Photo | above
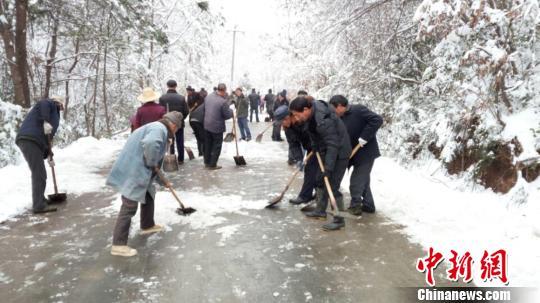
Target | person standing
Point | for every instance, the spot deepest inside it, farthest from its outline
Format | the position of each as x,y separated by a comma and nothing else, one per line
269,102
254,100
362,125
173,101
242,106
33,138
203,93
330,139
216,111
281,109
150,111
133,175
196,121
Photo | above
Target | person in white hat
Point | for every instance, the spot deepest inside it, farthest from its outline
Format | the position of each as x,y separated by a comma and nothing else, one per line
38,127
149,111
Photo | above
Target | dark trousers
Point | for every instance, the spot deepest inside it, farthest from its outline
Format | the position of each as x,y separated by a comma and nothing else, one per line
212,148
251,111
179,144
276,131
360,185
198,131
310,179
33,155
335,181
127,211
244,128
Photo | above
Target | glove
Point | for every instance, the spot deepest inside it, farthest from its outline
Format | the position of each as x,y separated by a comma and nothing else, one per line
47,128
361,142
51,162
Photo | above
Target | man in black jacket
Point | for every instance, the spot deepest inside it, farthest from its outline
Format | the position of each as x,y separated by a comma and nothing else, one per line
254,100
269,102
330,139
362,125
173,101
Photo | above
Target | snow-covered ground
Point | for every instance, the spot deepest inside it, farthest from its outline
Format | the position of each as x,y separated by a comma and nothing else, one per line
448,215
435,210
77,168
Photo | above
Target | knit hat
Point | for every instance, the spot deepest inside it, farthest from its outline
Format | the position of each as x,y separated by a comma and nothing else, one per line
59,99
175,118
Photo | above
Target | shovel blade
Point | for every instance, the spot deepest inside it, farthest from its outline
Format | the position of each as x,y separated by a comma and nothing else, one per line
274,201
190,153
259,138
57,198
169,163
239,160
186,211
228,137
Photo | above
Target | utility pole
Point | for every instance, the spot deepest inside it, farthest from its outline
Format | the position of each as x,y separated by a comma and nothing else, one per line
233,50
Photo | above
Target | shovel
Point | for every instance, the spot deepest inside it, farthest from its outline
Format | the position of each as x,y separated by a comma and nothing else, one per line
328,187
170,163
277,199
260,136
56,197
228,137
189,153
182,210
239,160
309,207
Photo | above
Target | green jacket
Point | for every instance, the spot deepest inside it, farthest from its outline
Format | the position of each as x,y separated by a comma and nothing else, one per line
242,106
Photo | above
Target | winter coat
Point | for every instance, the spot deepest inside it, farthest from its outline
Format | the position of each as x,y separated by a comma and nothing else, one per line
242,107
254,100
362,123
216,111
278,103
328,134
32,126
269,99
175,101
197,114
149,112
132,173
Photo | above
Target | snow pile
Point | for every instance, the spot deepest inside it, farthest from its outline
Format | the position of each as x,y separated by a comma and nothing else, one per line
11,117
77,172
438,213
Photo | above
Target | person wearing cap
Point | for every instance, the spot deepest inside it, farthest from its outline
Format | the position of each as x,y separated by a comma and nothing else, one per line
216,111
133,174
149,111
281,110
173,101
35,133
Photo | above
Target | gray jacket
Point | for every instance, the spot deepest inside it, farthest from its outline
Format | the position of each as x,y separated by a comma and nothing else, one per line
216,111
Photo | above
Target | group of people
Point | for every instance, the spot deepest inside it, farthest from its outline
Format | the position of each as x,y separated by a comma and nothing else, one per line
315,130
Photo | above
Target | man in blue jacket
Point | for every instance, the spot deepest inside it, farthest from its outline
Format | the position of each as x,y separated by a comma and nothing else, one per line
362,125
38,127
133,174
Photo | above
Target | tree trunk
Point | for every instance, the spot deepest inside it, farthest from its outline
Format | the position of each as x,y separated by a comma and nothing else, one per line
50,58
71,68
105,105
9,48
21,14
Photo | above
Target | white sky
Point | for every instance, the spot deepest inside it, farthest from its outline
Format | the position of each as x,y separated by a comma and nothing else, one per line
261,23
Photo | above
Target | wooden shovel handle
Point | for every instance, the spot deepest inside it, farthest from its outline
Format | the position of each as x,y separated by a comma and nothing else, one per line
52,167
355,150
328,187
164,180
234,133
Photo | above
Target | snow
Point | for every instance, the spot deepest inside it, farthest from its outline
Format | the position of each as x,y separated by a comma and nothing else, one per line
77,171
522,125
436,212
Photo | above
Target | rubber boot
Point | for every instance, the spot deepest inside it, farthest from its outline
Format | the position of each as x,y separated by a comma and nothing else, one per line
320,208
337,223
340,204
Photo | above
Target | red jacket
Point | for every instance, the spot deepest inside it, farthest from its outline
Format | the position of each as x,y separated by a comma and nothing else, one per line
147,113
